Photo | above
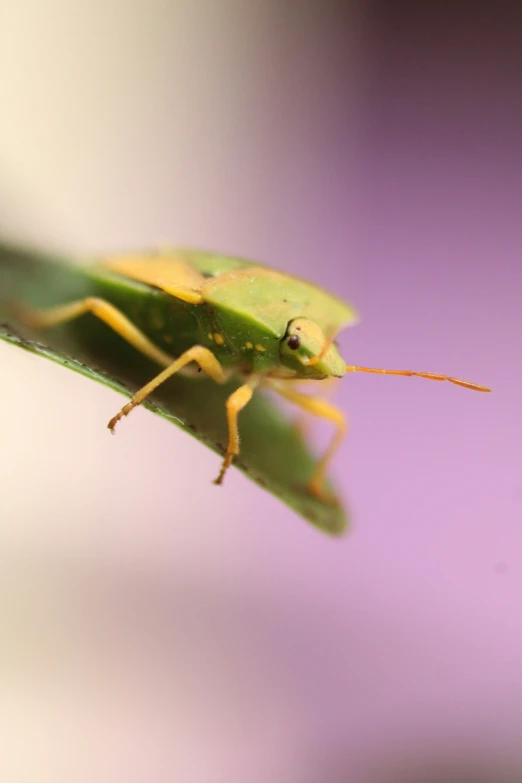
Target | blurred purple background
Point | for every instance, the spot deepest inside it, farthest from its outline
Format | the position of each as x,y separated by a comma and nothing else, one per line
158,628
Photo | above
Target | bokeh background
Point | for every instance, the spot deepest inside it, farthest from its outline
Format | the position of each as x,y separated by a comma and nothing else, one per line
154,627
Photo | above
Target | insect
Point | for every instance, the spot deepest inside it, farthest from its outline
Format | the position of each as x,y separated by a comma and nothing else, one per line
226,317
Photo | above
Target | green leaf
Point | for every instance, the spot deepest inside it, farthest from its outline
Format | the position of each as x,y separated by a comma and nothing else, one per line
273,452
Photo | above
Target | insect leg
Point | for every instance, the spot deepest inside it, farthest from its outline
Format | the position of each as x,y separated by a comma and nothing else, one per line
106,312
235,404
198,353
303,423
323,410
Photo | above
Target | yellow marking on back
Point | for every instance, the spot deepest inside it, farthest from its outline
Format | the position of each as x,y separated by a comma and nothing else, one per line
260,347
249,345
219,338
210,336
171,274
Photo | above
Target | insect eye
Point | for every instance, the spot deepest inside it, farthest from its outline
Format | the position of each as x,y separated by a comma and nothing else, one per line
293,342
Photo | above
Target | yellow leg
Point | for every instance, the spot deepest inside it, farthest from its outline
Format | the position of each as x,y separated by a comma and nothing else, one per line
235,404
106,312
44,319
326,388
198,353
323,410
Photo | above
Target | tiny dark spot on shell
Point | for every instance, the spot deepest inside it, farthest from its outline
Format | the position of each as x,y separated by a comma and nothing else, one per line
208,275
285,301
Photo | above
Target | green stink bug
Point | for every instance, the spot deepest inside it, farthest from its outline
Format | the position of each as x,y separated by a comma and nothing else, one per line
232,318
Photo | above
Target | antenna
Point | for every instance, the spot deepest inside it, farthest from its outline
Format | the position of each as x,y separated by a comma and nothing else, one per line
431,376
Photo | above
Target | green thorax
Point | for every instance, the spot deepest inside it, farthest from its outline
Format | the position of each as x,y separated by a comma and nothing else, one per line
272,299
253,305
246,312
